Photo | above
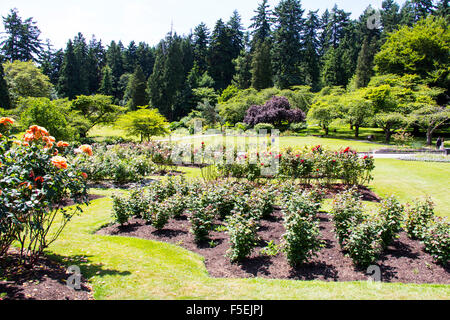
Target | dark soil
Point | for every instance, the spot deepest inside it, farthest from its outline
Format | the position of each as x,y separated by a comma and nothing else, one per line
69,202
405,261
46,280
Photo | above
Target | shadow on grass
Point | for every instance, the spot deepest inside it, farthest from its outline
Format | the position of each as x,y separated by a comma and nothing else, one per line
87,268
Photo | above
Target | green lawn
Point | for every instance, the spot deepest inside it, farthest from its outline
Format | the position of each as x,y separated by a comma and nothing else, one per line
410,180
129,268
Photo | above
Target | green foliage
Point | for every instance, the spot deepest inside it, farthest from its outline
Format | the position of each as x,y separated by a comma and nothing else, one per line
5,100
347,212
418,219
144,123
243,236
201,218
93,110
264,126
54,115
422,49
33,184
437,241
391,218
24,79
120,212
364,244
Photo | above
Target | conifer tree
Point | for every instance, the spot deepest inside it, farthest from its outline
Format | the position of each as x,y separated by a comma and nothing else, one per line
311,59
5,101
22,38
243,77
262,22
70,81
106,85
137,89
287,43
200,43
262,66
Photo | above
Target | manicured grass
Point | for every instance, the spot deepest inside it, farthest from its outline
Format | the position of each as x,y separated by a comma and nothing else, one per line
129,268
410,180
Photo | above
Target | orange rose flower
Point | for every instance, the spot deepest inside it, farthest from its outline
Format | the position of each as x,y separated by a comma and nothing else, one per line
86,149
62,144
85,176
59,162
5,120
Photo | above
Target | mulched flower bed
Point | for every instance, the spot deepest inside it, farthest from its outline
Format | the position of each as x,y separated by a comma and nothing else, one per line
46,280
405,261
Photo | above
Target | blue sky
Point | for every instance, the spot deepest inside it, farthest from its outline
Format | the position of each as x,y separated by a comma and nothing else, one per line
144,20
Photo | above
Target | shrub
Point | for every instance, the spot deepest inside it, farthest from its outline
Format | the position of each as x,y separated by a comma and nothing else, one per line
161,214
264,126
298,127
243,236
302,237
391,216
200,217
35,178
437,241
121,209
418,218
178,205
346,212
364,243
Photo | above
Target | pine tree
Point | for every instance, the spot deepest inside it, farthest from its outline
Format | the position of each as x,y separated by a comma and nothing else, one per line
114,59
324,36
311,60
220,56
22,38
95,63
51,62
130,58
106,85
422,8
5,101
261,25
165,85
390,15
80,50
137,89
145,58
287,43
364,68
235,30
201,42
70,80
443,9
243,77
262,66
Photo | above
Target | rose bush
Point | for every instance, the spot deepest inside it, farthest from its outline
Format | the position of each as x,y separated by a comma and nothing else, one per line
35,178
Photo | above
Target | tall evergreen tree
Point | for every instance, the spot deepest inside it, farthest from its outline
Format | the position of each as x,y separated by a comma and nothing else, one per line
364,68
114,59
70,83
243,77
311,59
51,62
422,8
262,22
94,63
236,33
443,9
262,66
220,56
287,43
106,85
145,58
390,15
5,101
80,49
324,36
200,43
137,89
165,85
22,38
130,58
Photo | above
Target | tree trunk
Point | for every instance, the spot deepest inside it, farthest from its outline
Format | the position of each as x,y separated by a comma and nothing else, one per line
429,137
327,130
388,135
356,131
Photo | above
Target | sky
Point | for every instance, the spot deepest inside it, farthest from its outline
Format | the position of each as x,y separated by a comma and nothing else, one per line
145,20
